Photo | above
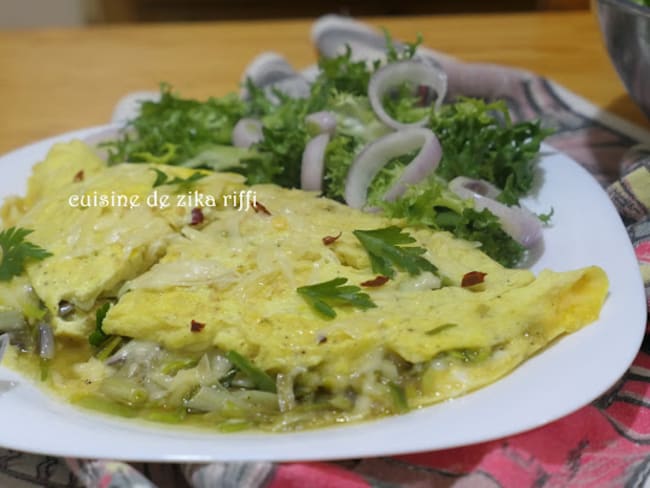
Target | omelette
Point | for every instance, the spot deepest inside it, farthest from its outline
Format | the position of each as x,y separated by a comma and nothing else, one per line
165,296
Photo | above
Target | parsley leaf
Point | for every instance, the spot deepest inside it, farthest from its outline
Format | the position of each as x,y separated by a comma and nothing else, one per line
16,250
386,250
323,296
99,336
163,179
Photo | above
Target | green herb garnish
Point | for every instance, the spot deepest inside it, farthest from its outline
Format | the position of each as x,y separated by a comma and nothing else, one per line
16,251
328,294
163,179
387,251
98,336
440,328
260,379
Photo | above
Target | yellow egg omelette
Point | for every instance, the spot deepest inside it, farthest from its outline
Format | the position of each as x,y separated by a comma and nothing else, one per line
185,296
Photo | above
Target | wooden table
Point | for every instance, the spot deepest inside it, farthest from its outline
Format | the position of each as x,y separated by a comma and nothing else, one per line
52,81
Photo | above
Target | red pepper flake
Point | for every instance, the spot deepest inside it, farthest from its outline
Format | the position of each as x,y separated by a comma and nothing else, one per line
79,176
327,240
378,281
196,326
258,207
197,216
472,278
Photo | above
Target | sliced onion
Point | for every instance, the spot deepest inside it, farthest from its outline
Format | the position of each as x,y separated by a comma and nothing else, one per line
481,187
4,342
313,162
393,75
271,72
521,224
325,121
128,107
379,152
247,132
45,341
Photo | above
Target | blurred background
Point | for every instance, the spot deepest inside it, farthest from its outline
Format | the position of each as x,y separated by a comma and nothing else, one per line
17,14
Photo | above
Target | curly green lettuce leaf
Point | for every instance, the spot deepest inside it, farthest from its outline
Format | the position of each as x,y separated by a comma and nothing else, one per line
480,140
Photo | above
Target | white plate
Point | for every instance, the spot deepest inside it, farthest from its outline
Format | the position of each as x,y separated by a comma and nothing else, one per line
586,230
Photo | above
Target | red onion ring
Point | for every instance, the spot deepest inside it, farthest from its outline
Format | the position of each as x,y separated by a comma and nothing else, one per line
394,74
325,121
379,152
521,224
247,132
313,163
481,187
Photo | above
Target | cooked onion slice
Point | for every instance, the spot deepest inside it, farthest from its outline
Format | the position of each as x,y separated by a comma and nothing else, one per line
379,152
324,121
313,162
45,341
247,132
4,342
393,75
521,224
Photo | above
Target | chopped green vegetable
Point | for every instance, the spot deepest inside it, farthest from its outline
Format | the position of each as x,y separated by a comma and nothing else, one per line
324,296
163,179
16,251
546,217
399,397
108,347
440,328
386,250
98,336
259,378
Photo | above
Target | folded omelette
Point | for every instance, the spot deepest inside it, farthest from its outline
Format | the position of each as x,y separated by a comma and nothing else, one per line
168,305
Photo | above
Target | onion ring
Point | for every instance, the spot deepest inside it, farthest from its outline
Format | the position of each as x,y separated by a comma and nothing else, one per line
379,152
313,163
392,75
520,223
247,132
324,121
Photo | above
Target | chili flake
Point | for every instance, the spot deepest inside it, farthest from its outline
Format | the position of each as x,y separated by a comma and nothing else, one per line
327,240
472,278
196,326
258,207
378,281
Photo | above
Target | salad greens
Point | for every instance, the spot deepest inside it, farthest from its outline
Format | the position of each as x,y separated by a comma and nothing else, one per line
478,140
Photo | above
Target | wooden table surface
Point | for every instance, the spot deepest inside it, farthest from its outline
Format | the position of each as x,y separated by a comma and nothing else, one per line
53,81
